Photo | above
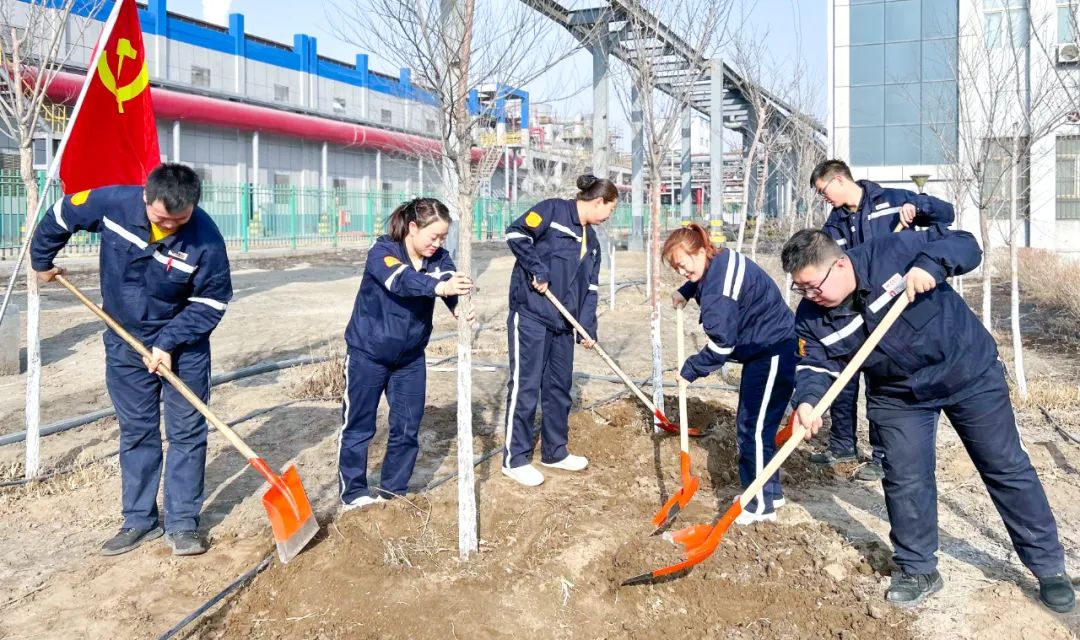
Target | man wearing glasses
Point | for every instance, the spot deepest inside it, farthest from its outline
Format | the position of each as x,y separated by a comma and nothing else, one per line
864,210
937,357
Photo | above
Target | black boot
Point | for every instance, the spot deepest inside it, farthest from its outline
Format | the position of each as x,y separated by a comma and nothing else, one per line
1056,592
128,539
910,589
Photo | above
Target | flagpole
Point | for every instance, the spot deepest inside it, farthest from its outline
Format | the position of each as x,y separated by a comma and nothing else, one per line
33,300
54,166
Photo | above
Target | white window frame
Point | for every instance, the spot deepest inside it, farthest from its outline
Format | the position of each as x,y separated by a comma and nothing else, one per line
1008,13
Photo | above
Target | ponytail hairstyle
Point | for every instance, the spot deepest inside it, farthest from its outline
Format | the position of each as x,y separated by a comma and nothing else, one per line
590,188
691,239
422,211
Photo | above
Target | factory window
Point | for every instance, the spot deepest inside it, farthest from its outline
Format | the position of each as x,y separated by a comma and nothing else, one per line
200,76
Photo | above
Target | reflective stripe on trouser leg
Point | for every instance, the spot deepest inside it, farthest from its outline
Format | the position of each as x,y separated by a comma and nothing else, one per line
405,392
366,381
555,397
528,342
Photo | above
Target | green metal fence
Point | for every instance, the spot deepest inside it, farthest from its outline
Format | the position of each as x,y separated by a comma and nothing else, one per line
258,216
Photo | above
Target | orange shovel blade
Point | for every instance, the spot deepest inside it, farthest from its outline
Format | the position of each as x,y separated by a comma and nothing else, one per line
699,541
668,426
290,514
677,502
784,434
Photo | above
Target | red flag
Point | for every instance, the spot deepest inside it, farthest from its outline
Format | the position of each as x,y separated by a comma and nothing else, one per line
112,137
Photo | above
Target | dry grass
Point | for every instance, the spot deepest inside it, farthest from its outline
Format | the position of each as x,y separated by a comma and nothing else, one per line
322,381
1049,392
1050,301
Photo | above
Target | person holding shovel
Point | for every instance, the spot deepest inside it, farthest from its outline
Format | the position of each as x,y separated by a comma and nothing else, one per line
745,320
386,337
557,251
165,278
936,358
864,210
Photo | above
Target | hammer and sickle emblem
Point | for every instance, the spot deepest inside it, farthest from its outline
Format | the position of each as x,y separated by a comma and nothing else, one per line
129,90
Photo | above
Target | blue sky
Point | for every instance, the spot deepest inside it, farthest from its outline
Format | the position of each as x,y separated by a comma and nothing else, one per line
792,29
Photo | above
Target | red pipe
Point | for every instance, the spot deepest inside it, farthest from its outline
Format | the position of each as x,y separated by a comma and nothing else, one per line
174,105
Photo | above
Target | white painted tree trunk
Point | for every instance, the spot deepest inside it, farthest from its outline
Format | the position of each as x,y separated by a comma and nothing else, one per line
984,230
32,420
457,16
654,301
1014,276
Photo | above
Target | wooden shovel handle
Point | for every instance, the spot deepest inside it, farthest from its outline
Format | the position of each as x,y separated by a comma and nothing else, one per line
603,354
680,342
165,372
826,401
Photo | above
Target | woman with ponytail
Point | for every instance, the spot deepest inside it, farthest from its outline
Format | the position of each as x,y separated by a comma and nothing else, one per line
745,320
557,251
389,329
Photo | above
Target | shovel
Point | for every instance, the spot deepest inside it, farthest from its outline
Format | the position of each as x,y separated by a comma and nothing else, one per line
662,420
690,483
285,501
699,541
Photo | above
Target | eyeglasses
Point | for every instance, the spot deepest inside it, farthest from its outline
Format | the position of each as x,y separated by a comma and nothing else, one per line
821,192
816,289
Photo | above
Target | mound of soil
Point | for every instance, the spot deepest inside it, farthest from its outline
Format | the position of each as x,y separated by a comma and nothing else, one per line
552,558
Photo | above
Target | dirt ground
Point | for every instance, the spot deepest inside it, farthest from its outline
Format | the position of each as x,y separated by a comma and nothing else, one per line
551,558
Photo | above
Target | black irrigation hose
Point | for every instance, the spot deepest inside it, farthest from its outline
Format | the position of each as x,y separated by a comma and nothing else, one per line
236,584
65,470
250,574
230,376
222,378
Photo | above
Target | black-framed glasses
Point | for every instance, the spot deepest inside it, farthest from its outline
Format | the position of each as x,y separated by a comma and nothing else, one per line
821,192
816,289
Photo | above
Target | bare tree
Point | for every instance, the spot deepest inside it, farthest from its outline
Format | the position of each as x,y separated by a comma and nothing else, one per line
1005,109
663,90
452,52
36,39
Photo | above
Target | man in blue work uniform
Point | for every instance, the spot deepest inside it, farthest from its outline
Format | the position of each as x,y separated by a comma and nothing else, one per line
165,278
937,357
862,211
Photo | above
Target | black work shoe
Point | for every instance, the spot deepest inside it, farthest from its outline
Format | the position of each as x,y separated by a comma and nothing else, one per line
910,589
1056,592
128,539
870,472
830,458
186,543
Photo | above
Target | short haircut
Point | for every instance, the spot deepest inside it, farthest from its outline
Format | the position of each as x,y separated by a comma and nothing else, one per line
809,247
827,170
176,185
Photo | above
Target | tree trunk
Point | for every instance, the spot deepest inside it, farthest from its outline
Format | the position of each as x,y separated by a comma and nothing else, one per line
33,319
1014,277
654,296
790,232
984,231
457,21
759,205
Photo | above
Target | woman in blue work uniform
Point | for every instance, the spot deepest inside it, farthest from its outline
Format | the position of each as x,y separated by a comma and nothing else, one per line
389,329
557,251
745,320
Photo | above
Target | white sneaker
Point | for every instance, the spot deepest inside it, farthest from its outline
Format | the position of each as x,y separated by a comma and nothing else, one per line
361,502
569,463
526,475
779,502
749,517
